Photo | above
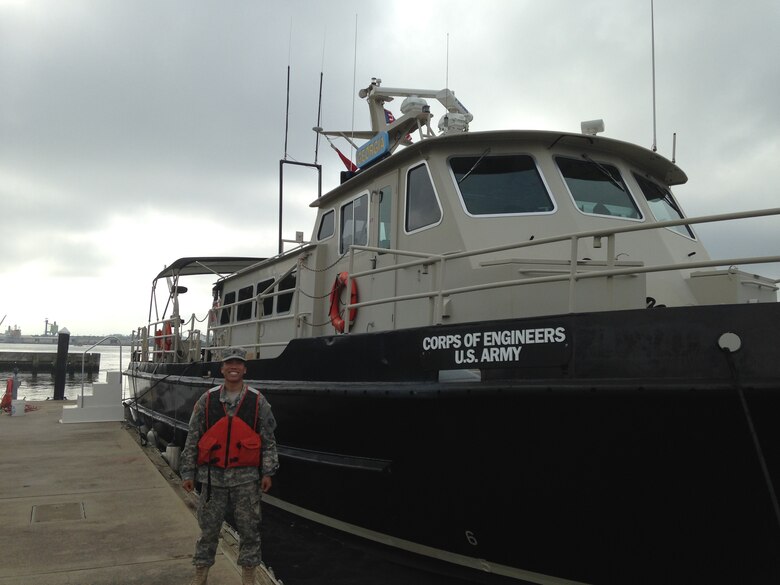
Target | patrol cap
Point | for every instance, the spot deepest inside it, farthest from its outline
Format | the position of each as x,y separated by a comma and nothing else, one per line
234,353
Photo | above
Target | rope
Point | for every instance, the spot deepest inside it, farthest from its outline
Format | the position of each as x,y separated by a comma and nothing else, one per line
753,434
339,259
317,324
304,293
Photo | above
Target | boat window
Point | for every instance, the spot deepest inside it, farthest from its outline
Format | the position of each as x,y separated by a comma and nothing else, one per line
422,206
244,310
284,301
598,188
354,223
327,225
500,185
385,208
268,302
662,204
224,317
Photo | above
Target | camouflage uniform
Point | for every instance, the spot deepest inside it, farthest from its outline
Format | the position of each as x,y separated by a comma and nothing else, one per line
237,488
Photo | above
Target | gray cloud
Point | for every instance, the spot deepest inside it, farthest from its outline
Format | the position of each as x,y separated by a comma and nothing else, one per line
156,117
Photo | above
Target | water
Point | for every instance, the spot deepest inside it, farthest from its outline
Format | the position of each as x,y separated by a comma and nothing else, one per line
41,387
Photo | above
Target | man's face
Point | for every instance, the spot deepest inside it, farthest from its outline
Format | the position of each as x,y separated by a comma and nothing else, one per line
233,370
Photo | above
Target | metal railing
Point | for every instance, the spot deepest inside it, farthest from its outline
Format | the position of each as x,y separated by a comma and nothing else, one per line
573,270
572,275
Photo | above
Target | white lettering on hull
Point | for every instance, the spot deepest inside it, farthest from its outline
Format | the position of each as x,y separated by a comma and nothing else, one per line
490,347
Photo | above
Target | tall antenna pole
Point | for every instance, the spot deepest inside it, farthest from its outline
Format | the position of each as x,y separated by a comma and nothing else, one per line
286,132
287,110
652,46
447,63
354,81
319,104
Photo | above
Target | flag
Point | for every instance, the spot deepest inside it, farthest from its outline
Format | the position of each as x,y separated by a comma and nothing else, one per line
347,163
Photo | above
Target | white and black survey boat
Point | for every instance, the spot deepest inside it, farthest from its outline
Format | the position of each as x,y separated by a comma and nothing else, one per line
505,352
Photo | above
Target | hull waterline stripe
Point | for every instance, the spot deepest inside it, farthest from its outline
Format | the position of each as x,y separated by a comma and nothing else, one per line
322,458
421,549
335,459
156,415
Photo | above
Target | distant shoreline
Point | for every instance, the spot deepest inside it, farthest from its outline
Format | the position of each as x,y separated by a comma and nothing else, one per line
74,339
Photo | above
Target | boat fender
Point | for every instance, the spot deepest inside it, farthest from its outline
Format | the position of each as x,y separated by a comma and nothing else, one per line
335,299
151,438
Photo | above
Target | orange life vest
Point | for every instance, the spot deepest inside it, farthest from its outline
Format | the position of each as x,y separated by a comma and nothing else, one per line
231,441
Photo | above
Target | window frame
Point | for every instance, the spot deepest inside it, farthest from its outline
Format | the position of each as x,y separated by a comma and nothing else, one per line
409,169
226,313
539,173
330,211
245,299
389,208
573,199
259,287
637,176
367,195
286,296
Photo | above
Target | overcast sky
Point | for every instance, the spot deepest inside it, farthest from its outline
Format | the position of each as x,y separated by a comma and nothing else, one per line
133,132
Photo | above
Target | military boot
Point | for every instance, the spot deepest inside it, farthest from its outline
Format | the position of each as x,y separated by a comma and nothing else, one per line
248,575
201,576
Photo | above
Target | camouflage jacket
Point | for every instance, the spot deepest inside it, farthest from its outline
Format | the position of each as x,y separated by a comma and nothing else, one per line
236,475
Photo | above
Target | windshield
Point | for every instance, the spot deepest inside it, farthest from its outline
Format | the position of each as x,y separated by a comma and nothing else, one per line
500,185
598,188
662,204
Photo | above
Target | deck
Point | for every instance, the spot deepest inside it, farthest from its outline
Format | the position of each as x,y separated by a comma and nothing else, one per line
84,503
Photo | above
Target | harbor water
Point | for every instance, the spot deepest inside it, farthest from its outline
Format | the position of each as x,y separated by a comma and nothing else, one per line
41,386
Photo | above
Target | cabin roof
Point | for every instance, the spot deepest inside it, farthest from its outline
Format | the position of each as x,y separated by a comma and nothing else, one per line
639,156
217,265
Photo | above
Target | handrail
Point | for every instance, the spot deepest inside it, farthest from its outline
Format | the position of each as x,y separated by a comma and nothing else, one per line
572,270
84,355
572,275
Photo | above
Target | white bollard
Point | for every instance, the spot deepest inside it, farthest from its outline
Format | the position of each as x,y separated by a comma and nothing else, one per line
17,407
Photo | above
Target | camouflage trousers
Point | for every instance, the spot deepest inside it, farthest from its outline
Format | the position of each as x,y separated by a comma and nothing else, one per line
244,501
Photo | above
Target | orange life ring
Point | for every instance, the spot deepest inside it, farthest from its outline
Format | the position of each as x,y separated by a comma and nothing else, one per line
335,299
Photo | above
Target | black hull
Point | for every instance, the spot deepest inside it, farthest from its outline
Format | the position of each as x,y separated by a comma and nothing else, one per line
623,455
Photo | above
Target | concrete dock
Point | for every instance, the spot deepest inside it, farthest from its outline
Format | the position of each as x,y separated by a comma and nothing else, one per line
85,504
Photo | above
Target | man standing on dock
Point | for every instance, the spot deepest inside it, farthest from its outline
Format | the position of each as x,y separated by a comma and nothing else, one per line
231,449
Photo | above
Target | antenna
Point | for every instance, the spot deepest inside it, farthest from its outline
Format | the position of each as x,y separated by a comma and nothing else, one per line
287,110
354,85
447,63
284,160
652,49
319,104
